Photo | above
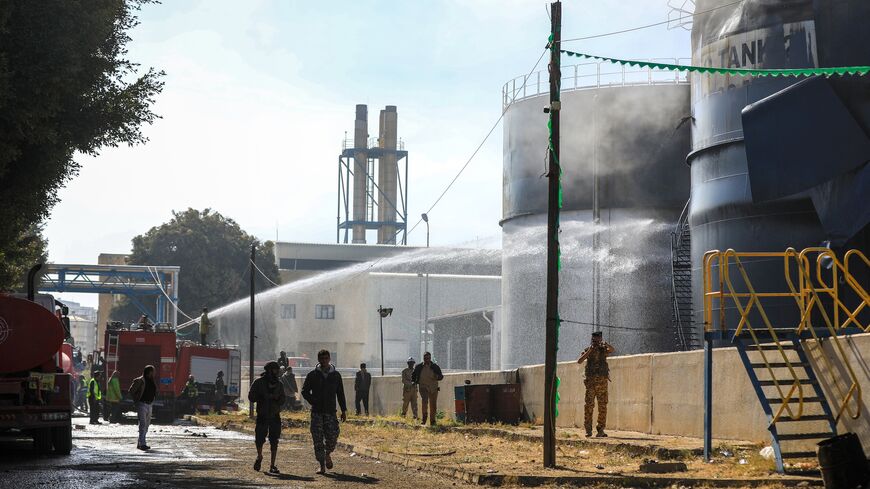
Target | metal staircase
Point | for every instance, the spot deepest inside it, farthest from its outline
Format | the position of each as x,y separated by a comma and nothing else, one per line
832,302
791,428
685,337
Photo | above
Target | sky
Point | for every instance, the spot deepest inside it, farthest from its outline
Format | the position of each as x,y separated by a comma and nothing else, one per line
259,95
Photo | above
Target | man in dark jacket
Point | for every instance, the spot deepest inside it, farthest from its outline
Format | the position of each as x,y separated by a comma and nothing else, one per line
361,387
321,388
426,376
268,393
143,390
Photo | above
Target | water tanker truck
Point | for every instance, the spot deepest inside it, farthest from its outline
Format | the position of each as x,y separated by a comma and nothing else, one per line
34,389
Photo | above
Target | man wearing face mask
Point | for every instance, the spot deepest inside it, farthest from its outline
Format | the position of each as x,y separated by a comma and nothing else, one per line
268,393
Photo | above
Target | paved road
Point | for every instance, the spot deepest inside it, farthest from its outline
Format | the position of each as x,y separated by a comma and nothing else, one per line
105,457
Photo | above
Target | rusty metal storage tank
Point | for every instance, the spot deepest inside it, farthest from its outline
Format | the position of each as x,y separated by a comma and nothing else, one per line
727,209
628,131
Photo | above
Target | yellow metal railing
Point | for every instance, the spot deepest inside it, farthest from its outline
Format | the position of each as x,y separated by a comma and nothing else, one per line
807,293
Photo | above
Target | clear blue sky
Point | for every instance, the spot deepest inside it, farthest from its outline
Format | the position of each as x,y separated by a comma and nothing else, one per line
259,95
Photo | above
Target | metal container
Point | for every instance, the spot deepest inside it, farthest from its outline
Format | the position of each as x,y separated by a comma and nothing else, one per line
507,403
722,214
624,139
459,403
478,403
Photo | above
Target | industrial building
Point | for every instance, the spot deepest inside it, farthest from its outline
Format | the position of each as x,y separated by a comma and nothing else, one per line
339,311
297,261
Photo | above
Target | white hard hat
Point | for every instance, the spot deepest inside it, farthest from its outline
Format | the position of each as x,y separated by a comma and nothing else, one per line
411,359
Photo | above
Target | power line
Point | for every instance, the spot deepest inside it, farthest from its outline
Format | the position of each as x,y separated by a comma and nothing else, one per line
261,273
488,134
156,278
600,325
623,31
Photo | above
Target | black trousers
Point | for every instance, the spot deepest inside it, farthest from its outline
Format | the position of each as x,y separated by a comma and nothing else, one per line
362,396
94,408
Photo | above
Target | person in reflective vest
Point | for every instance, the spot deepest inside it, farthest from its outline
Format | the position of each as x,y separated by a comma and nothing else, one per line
190,394
95,396
113,398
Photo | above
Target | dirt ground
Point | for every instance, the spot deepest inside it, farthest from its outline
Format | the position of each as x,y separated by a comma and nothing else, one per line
475,449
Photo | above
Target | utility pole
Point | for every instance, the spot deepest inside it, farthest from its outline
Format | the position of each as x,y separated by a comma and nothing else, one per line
552,310
251,359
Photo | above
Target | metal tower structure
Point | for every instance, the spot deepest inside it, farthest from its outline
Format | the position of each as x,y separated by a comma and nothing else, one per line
372,185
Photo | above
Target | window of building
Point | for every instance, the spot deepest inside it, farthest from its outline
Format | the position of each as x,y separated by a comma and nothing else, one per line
288,311
324,311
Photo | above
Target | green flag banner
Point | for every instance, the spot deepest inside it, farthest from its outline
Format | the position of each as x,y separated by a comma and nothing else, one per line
837,71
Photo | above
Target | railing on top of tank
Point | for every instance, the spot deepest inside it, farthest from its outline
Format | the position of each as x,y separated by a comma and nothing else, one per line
592,75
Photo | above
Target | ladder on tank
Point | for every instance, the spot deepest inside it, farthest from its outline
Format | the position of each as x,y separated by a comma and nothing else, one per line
685,338
782,373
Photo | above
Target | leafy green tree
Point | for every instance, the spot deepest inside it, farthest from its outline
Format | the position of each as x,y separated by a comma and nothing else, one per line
27,249
213,253
66,88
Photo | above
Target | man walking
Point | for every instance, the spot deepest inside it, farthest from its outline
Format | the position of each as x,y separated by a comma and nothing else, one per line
283,361
427,375
597,377
220,389
268,393
113,398
204,325
361,386
409,390
288,380
143,390
321,388
95,396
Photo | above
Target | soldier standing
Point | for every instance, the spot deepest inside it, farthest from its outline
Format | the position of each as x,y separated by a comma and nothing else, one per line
409,390
597,377
427,375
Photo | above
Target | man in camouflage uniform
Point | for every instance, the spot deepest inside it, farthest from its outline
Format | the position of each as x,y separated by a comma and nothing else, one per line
322,387
597,377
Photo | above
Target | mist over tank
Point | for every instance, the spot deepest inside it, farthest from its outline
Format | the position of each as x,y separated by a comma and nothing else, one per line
633,136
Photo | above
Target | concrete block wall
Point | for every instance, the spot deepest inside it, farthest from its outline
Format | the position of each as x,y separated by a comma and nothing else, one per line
659,393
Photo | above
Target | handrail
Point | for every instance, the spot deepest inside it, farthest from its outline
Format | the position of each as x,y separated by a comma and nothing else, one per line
744,322
676,243
590,75
807,291
809,297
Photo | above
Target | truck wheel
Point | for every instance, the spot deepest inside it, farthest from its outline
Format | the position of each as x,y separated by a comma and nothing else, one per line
42,440
62,439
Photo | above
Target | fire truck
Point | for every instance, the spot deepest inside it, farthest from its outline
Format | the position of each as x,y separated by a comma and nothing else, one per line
35,383
204,362
128,349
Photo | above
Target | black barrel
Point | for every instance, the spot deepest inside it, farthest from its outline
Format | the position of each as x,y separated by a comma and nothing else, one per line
843,463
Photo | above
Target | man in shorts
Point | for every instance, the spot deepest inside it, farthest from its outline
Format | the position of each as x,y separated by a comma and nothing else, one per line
268,393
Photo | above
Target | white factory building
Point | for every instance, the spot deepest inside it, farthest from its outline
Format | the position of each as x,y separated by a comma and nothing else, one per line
333,296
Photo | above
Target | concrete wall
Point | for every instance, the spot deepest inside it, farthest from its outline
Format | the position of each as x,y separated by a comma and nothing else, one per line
659,393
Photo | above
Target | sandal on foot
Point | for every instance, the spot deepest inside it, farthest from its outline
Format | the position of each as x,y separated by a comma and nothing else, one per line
274,470
258,463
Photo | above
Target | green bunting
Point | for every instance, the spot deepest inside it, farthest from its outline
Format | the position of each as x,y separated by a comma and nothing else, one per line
835,71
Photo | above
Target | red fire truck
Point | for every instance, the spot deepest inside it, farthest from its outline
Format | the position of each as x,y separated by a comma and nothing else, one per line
204,362
129,351
34,390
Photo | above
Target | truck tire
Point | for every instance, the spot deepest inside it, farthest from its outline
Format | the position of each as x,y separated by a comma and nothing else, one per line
62,439
42,440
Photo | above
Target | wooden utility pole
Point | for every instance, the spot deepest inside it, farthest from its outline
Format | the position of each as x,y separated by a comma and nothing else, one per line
552,242
251,355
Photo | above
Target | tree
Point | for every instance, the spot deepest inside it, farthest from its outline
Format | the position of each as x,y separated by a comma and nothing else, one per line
213,253
66,87
28,249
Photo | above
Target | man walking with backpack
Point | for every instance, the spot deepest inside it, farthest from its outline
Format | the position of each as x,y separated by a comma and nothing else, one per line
322,387
143,390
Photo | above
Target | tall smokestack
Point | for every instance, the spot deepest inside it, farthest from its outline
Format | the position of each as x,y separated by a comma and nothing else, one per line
388,174
360,169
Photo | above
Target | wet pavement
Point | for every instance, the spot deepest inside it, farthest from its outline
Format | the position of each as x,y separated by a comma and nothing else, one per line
188,456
